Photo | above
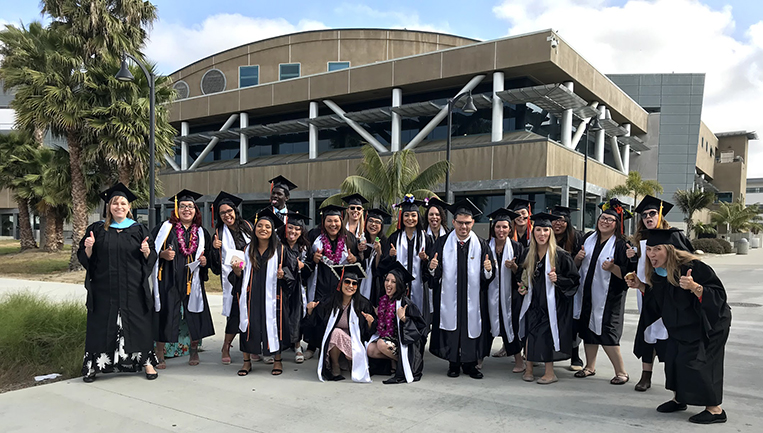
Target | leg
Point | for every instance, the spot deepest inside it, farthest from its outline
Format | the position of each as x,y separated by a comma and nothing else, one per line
247,367
519,363
277,365
299,357
616,358
646,376
591,351
226,348
160,356
373,351
334,354
194,351
385,350
528,376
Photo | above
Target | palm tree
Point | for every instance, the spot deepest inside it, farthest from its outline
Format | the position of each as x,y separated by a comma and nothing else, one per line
15,149
636,187
386,182
690,202
736,216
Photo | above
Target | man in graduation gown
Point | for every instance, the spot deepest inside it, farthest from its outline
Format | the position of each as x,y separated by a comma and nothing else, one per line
461,268
280,190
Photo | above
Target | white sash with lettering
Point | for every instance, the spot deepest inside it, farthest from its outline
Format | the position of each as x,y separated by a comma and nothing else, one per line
550,304
228,245
360,371
417,285
161,237
271,292
655,331
600,284
317,244
449,289
499,294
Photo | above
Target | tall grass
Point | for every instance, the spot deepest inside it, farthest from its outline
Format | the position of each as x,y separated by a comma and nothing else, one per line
39,336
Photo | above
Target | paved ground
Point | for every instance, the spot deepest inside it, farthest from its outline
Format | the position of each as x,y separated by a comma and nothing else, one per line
210,397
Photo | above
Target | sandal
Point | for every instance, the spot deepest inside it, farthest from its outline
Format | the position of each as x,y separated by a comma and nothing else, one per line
268,360
161,365
519,369
620,379
299,357
194,359
277,371
245,371
585,373
226,359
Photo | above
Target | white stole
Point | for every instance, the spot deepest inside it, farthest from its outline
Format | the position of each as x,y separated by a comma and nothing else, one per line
499,293
228,245
441,231
600,283
317,245
449,289
161,237
367,283
417,285
360,371
271,293
655,331
196,298
550,304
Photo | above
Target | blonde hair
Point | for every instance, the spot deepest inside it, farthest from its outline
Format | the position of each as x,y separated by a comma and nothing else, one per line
674,260
108,220
530,260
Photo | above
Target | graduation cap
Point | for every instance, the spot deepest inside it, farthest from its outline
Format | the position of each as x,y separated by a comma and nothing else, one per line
185,195
296,217
434,201
563,211
268,214
355,199
401,274
617,208
351,271
464,207
650,202
503,214
283,183
332,209
544,219
225,198
378,214
520,203
671,236
409,204
118,190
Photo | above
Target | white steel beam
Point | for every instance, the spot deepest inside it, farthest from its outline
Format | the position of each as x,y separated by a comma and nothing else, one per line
397,121
354,125
312,148
184,128
213,142
567,120
581,128
172,163
599,152
243,151
496,131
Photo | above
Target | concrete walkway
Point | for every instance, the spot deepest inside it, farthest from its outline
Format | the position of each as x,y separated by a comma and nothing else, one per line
211,398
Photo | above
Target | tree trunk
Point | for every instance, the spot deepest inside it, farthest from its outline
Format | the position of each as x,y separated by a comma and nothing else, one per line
79,196
25,225
51,242
125,170
60,217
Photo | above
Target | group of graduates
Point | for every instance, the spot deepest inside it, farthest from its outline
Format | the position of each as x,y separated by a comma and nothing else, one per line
368,304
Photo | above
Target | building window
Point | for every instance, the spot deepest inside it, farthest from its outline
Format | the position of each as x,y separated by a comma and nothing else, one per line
754,190
725,197
248,76
335,66
287,71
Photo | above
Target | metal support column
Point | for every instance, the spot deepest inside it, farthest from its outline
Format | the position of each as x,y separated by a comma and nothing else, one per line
626,151
355,126
508,196
213,142
581,128
243,151
496,132
184,128
397,121
313,133
581,205
565,196
567,120
599,152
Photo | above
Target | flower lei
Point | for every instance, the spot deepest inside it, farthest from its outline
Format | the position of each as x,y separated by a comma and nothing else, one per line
184,249
334,256
386,326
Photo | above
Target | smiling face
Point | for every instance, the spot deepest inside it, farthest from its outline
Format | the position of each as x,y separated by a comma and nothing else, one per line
119,208
463,225
649,218
501,230
373,226
521,220
293,233
263,229
227,215
186,211
355,211
332,224
657,255
607,224
559,226
434,218
278,198
541,235
349,286
390,285
410,219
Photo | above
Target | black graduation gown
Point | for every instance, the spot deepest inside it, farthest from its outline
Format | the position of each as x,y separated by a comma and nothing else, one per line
456,346
697,334
377,285
173,293
255,339
414,246
295,305
326,281
412,333
215,264
117,282
614,306
540,341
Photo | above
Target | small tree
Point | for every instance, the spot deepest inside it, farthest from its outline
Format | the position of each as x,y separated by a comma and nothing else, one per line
636,187
737,216
701,228
692,201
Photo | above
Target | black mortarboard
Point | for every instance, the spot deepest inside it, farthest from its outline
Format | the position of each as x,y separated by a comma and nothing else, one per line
378,214
283,183
650,202
611,207
355,199
225,198
332,209
520,203
269,215
503,214
352,271
297,217
400,272
671,236
410,204
465,207
188,195
117,190
434,201
543,219
563,211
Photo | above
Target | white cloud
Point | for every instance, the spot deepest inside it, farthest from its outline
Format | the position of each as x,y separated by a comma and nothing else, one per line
403,19
663,36
174,45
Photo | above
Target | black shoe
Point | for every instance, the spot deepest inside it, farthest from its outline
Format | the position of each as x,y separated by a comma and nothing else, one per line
152,376
706,417
454,372
671,406
476,374
90,378
645,382
394,380
336,378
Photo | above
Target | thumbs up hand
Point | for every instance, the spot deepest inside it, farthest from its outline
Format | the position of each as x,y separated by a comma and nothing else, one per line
608,264
392,250
580,255
687,283
511,264
203,259
144,247
168,254
351,257
369,318
217,243
280,271
90,240
434,262
552,275
318,256
488,264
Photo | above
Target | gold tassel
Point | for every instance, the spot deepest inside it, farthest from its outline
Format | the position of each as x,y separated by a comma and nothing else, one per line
659,216
176,207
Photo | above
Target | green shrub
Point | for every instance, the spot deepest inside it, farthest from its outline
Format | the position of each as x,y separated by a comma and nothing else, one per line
39,336
724,244
708,246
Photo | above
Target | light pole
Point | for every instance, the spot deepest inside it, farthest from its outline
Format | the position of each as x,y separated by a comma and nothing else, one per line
592,126
125,75
468,108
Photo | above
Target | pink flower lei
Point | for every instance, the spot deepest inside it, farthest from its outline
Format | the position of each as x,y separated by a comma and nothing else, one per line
184,249
334,256
386,310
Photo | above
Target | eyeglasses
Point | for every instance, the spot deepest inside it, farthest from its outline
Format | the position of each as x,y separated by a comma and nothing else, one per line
351,283
650,214
186,206
373,221
608,220
226,212
356,208
464,223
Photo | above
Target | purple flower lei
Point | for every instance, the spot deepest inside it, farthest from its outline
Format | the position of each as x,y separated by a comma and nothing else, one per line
334,256
185,250
386,327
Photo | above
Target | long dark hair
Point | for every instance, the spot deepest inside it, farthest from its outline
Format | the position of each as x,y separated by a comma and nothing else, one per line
442,215
567,239
239,227
342,233
174,219
369,237
400,288
338,297
254,251
302,242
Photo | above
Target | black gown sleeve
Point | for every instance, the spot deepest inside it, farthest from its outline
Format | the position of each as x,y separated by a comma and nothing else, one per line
567,277
387,260
204,270
85,261
713,307
367,331
414,328
486,251
434,278
215,256
289,265
621,260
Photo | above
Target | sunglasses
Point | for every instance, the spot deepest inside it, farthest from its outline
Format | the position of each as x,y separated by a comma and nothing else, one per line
650,214
356,208
351,283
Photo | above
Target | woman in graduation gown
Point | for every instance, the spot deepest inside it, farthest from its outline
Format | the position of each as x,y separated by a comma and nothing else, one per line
354,221
267,280
600,302
232,233
549,281
504,301
294,234
400,330
522,227
346,321
435,218
179,277
330,245
691,300
378,247
118,255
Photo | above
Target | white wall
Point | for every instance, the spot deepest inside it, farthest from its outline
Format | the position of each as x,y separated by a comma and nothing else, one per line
7,119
